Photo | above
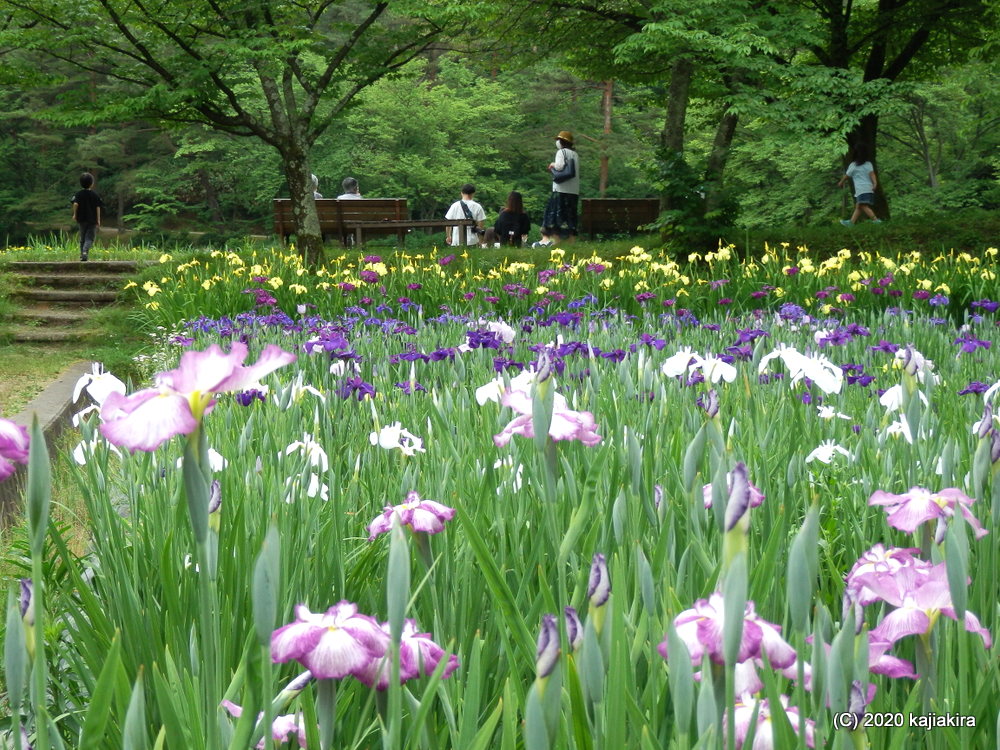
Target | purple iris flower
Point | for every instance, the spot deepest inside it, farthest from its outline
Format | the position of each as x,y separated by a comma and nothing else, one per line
921,294
938,300
743,494
409,388
969,343
332,645
920,596
700,628
599,584
27,601
837,337
789,311
419,656
709,402
283,728
484,339
446,260
974,387
882,561
369,277
743,352
547,650
13,447
884,346
747,335
424,516
245,398
357,388
987,305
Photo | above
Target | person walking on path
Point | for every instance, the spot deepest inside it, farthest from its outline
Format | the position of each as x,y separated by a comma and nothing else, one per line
87,206
560,217
465,208
862,173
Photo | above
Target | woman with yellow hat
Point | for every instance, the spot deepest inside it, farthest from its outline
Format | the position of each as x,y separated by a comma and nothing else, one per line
560,216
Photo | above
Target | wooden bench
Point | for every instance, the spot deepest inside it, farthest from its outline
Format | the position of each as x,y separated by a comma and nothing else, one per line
335,216
362,228
617,215
358,218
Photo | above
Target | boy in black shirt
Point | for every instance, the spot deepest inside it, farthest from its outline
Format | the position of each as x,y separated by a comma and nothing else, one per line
87,207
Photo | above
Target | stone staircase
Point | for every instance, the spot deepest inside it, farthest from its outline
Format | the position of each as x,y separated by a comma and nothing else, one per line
56,300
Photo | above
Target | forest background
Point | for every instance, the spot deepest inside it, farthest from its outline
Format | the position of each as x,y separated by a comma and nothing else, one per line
736,114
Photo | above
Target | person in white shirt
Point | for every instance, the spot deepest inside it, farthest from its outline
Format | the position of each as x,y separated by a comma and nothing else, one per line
465,208
862,173
350,188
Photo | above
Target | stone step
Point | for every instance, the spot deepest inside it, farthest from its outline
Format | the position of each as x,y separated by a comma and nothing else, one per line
73,266
47,334
73,280
68,295
55,316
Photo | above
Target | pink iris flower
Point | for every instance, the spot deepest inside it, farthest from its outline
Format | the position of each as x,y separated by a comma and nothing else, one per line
742,493
13,447
909,510
419,656
332,645
700,628
566,423
763,738
882,561
283,728
181,397
426,516
920,597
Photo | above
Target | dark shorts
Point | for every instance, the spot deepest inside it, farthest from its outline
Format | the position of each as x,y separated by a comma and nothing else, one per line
867,199
560,215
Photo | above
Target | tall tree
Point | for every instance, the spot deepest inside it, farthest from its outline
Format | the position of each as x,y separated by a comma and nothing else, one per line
887,41
279,71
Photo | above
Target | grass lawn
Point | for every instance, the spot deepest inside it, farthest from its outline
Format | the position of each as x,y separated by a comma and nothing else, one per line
26,369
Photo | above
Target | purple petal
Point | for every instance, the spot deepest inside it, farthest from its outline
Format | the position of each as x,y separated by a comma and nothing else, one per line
294,640
973,625
739,496
547,652
599,584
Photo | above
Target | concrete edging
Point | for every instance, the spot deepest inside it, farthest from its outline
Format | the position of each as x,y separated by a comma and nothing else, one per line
53,407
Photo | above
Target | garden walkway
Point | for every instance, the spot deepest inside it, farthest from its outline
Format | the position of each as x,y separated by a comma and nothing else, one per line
56,299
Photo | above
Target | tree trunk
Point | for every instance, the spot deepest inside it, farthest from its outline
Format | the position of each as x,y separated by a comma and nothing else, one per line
717,161
606,104
672,135
211,196
300,188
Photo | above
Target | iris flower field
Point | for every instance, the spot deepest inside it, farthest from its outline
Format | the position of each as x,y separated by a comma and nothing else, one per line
438,501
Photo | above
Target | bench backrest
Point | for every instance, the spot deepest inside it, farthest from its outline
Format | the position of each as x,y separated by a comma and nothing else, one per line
333,214
617,215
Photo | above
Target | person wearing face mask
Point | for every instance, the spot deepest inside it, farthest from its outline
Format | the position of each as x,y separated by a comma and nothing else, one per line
560,217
